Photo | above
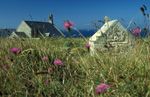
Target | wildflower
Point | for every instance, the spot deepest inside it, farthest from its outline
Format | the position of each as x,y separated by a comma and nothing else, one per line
45,58
76,58
49,69
14,50
47,81
101,87
136,31
5,67
10,58
67,25
88,46
58,62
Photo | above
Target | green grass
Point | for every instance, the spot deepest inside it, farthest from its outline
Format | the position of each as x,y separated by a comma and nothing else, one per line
127,74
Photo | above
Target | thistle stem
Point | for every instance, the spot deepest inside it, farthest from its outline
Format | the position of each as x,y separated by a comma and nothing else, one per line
79,33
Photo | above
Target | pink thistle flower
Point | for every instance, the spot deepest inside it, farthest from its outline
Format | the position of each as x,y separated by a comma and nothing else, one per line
58,62
87,45
68,24
49,69
5,67
76,58
14,50
101,87
47,81
136,31
45,58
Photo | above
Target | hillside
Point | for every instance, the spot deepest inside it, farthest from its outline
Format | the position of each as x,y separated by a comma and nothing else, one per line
33,70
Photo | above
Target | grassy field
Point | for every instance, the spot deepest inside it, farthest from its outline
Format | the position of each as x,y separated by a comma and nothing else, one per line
27,75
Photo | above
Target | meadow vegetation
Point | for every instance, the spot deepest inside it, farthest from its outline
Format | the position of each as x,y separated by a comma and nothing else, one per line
25,73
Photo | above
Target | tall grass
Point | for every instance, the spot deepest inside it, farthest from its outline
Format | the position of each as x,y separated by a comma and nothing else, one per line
127,73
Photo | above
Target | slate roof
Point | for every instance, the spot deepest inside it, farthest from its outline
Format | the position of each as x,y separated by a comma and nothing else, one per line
21,34
44,27
6,32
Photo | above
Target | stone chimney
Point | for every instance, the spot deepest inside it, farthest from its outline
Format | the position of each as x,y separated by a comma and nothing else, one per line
51,19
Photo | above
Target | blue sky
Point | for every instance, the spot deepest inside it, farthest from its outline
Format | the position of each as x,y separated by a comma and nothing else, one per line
81,12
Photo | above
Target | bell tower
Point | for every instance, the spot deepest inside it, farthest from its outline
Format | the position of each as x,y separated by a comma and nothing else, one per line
51,19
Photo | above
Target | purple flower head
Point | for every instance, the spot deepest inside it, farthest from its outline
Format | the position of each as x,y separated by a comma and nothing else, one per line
136,31
14,50
87,45
49,69
101,87
67,24
6,66
58,62
45,58
76,58
47,81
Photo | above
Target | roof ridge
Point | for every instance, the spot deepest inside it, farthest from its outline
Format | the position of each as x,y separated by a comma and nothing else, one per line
37,21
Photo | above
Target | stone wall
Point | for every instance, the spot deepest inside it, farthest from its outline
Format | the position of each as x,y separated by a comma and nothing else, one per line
23,27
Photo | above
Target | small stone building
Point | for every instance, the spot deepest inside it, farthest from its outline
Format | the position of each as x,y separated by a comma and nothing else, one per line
111,36
36,29
6,32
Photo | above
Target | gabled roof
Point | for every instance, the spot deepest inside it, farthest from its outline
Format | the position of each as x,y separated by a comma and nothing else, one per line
21,34
6,32
44,27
